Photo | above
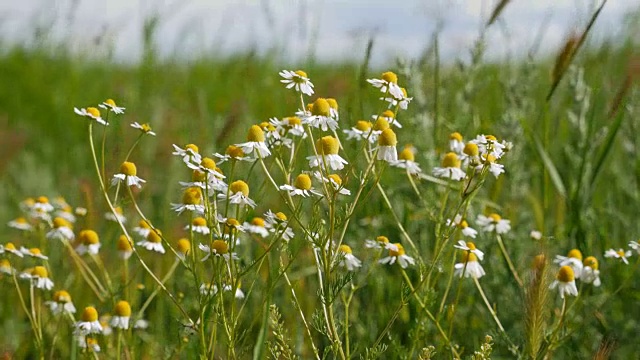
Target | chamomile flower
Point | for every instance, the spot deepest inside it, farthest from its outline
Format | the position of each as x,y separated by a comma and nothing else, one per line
407,160
20,224
190,155
327,148
39,277
463,225
573,260
471,247
89,343
88,323
619,254
289,125
397,254
191,201
34,252
490,161
89,242
66,213
277,224
144,128
61,230
301,186
381,242
183,248
42,204
450,168
199,226
590,273
320,116
387,142
469,266
362,130
456,144
565,282
238,194
470,155
128,174
298,80
255,142
402,102
122,314
143,228
9,247
493,222
389,117
535,235
61,303
153,241
6,268
488,144
218,248
109,104
388,84
256,226
635,245
208,290
233,153
92,113
118,216
348,260
333,108
334,181
125,249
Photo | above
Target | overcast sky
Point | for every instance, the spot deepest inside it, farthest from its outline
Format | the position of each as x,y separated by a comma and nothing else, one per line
335,28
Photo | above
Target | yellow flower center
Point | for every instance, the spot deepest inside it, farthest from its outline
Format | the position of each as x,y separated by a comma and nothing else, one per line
184,246
468,256
123,244
22,220
281,216
5,264
110,102
387,138
333,103
495,217
232,223
327,145
60,222
303,181
321,107
239,186
199,221
591,262
88,237
128,168
143,224
40,271
575,253
463,224
471,149
390,77
490,158
220,247
234,151
620,253
145,127
381,124
345,249
10,246
301,74
93,112
35,251
122,308
565,274
154,236
257,221
255,134
42,200
192,196
471,245
388,114
382,239
491,138
293,121
407,154
363,125
208,163
90,314
198,176
399,252
61,296
336,178
193,148
451,160
455,136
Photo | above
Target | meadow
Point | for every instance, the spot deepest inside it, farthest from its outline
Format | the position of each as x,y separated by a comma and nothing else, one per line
265,273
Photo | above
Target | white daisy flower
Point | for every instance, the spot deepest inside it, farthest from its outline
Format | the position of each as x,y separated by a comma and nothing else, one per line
67,214
619,254
489,145
333,180
42,204
127,174
535,235
289,125
191,201
199,226
39,277
89,243
456,144
349,260
301,187
590,273
20,224
256,226
298,80
141,324
389,117
469,267
463,225
321,116
234,153
362,131
144,128
387,142
327,148
153,241
61,230
398,255
573,260
88,323
90,343
388,84
34,252
117,217
277,224
256,142
450,168
494,222
142,229
125,250
190,155
381,242
6,268
402,102
92,113
61,303
122,314
565,282
238,194
406,160
109,104
9,247
635,245
471,247
218,248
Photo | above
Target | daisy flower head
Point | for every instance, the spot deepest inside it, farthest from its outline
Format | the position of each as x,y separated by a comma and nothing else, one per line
490,161
301,186
277,224
407,160
233,153
618,254
389,117
122,314
494,222
199,226
20,223
88,323
127,174
298,80
348,260
61,303
565,282
397,254
470,247
190,155
573,260
125,250
388,84
153,241
66,213
256,226
255,142
230,229
362,131
635,245
9,247
590,272
218,248
455,143
402,102
336,182
144,128
6,268
463,225
39,277
381,242
61,230
42,204
289,125
91,113
34,252
333,108
450,168
117,216
89,343
143,228
321,116
238,194
89,242
469,267
327,148
387,142
183,248
191,201
110,105
470,155
488,144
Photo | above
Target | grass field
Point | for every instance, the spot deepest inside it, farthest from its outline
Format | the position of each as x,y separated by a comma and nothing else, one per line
573,174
